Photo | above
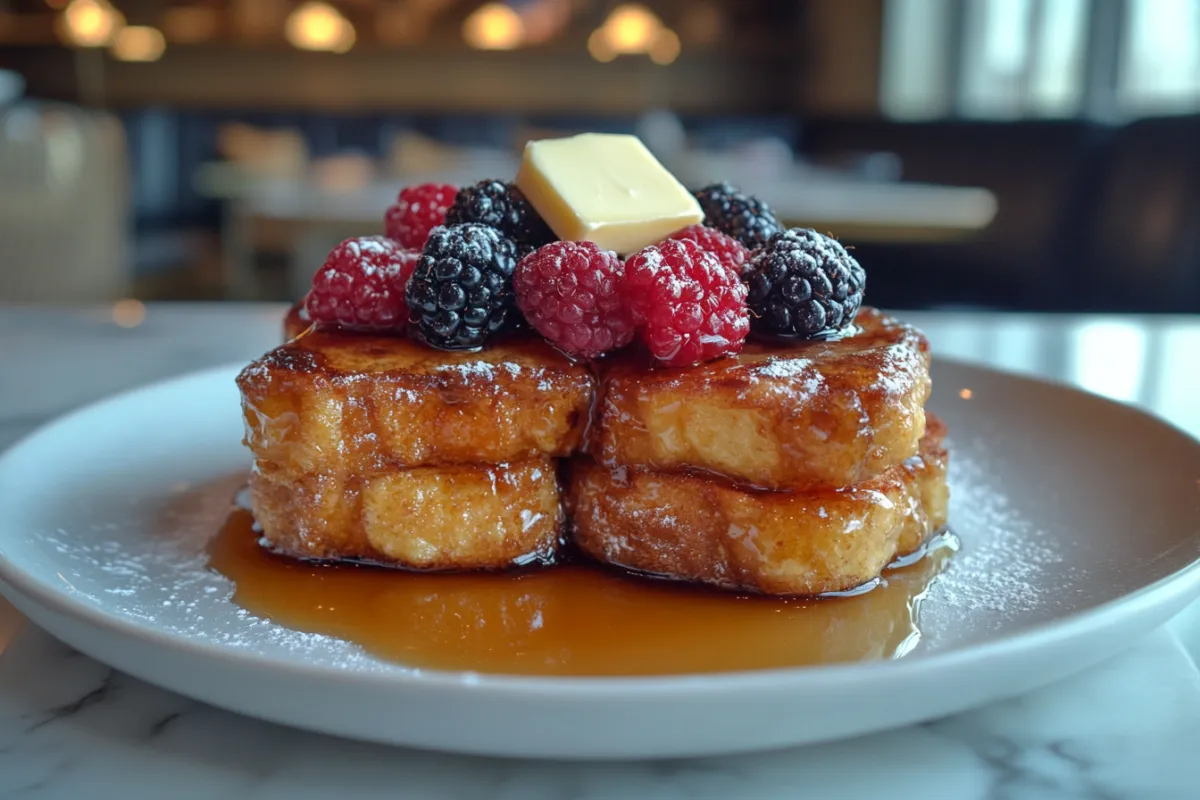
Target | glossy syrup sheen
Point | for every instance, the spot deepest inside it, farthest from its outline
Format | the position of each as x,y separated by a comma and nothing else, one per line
575,619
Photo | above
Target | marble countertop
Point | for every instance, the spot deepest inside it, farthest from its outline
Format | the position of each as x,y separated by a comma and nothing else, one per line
73,728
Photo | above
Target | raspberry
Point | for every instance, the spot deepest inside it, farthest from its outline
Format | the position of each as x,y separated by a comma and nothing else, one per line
417,211
570,292
361,285
501,206
803,285
729,251
461,291
689,306
737,214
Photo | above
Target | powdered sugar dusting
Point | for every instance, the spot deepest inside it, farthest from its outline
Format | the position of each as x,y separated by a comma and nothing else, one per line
164,580
1005,557
480,370
898,365
785,368
372,245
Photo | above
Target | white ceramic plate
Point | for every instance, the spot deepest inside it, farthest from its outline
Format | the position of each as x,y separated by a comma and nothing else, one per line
1080,522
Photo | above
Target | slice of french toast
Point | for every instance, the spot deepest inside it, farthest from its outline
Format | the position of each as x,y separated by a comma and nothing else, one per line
429,518
352,404
818,413
788,543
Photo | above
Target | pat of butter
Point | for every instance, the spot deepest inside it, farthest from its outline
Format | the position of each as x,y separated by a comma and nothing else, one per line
605,188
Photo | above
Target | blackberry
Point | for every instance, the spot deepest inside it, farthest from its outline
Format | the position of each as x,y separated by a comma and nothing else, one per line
461,291
736,214
501,206
803,284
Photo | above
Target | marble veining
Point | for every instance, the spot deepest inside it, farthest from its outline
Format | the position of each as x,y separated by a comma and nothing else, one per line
70,727
73,728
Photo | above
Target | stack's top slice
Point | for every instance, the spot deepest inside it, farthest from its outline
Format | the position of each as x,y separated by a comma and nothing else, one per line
352,404
819,413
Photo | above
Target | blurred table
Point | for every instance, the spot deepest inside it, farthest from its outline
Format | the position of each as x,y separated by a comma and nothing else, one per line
72,728
307,216
856,210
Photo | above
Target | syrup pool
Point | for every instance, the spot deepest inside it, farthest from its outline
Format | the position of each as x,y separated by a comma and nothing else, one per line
574,619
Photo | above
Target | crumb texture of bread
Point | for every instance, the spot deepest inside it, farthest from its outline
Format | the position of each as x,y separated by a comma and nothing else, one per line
787,543
427,518
823,413
355,404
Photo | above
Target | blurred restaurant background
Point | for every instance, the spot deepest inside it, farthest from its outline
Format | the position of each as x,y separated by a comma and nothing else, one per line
1003,154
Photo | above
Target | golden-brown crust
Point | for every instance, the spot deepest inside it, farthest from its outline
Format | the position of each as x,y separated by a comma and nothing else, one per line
803,543
823,413
373,447
355,404
429,518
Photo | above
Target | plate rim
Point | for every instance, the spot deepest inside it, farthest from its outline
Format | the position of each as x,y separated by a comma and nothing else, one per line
676,686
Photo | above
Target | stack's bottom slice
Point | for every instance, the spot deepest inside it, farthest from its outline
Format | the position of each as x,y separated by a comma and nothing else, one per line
805,542
427,518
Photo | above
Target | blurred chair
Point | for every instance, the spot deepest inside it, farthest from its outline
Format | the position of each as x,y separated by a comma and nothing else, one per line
1142,248
64,208
1041,172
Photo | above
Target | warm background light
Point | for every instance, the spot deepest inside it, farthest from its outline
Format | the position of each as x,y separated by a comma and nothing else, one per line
128,313
599,48
494,26
139,43
666,47
319,26
631,28
89,23
346,38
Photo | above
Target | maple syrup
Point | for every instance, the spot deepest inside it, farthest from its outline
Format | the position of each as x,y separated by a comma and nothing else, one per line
575,619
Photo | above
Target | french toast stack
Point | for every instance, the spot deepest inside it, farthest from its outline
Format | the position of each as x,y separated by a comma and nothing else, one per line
379,449
702,384
795,469
785,470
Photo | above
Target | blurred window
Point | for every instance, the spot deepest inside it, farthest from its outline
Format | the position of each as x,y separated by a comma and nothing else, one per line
916,58
1160,63
1023,57
1049,58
